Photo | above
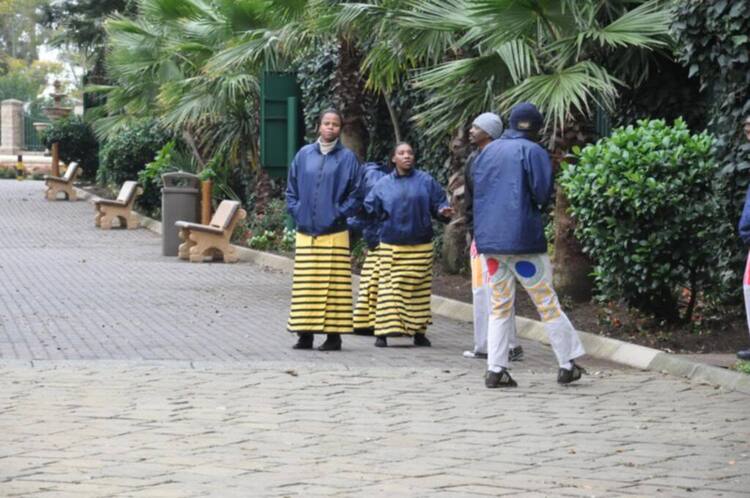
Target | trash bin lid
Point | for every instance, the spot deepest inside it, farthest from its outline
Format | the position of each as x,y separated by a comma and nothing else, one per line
179,181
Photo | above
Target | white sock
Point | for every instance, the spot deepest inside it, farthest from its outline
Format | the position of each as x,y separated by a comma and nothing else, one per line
567,366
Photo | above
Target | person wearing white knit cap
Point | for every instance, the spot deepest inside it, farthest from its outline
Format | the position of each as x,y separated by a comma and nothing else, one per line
485,128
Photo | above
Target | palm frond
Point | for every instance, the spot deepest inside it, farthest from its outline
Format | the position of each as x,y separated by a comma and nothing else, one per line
570,90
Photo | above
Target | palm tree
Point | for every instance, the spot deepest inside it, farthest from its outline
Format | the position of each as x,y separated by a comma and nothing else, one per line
568,57
160,62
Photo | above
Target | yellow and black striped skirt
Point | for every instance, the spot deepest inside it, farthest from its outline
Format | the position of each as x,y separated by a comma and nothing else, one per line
322,285
404,289
364,310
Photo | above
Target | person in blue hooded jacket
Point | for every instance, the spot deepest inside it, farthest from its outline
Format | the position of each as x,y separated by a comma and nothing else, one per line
744,228
322,191
405,202
364,310
512,179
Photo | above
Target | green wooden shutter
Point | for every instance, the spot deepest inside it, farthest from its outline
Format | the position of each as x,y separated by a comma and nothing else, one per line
281,133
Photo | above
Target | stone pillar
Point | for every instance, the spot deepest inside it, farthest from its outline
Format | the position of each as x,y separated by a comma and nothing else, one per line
11,120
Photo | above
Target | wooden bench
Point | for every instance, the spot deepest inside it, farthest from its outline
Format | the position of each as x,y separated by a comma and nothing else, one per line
201,241
121,208
56,185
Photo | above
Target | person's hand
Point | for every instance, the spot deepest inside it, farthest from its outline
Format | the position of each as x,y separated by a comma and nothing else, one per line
447,212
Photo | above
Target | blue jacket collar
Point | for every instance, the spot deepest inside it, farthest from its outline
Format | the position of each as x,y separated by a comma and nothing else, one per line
511,134
409,174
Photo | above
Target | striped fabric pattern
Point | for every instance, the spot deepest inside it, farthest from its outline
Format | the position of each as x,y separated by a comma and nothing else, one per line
404,289
322,285
364,311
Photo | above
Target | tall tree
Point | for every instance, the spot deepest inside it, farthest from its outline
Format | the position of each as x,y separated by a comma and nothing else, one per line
78,27
20,31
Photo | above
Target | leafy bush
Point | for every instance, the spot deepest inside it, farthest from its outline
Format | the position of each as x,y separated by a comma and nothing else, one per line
270,230
169,158
125,155
77,143
649,214
742,366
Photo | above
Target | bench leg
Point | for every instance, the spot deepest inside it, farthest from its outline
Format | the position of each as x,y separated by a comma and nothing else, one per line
230,253
198,249
132,221
71,192
105,221
183,251
98,217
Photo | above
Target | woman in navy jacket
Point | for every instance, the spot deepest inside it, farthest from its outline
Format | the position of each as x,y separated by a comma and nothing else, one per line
364,310
405,202
322,191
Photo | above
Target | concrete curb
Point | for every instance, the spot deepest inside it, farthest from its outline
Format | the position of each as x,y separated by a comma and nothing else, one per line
600,347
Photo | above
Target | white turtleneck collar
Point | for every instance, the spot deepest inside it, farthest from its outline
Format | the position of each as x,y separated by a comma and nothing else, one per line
326,147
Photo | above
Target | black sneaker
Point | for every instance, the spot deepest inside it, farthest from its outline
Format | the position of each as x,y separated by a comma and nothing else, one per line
381,342
515,354
565,376
422,340
502,378
305,341
333,343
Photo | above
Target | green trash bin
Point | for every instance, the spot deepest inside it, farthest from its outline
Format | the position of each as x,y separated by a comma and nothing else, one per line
180,201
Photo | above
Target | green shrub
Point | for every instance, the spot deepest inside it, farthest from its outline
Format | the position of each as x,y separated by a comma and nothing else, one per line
742,366
124,156
270,231
648,212
77,143
168,159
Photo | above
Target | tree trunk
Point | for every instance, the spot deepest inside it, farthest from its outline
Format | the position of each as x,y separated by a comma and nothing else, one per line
350,97
572,268
571,277
394,118
454,238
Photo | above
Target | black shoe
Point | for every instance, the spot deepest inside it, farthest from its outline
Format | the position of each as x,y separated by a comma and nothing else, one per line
502,378
515,354
381,342
565,376
744,354
333,343
422,340
305,341
364,331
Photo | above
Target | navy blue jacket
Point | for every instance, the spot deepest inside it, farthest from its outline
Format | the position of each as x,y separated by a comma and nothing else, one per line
405,205
369,227
512,185
744,226
323,190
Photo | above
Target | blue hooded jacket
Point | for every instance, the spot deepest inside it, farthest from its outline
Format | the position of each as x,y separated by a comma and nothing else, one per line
744,225
512,185
405,206
367,226
323,190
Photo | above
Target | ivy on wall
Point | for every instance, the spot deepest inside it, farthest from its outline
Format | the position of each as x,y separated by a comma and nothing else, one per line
713,40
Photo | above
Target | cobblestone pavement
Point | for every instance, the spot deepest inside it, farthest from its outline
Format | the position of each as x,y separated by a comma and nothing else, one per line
124,373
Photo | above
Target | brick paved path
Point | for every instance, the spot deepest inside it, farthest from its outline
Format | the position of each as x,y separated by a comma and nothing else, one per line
124,373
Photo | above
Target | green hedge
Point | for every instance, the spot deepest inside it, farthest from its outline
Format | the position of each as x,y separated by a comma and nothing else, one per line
648,212
127,154
77,143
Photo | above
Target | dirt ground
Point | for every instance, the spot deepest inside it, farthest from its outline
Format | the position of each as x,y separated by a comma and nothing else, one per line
725,332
